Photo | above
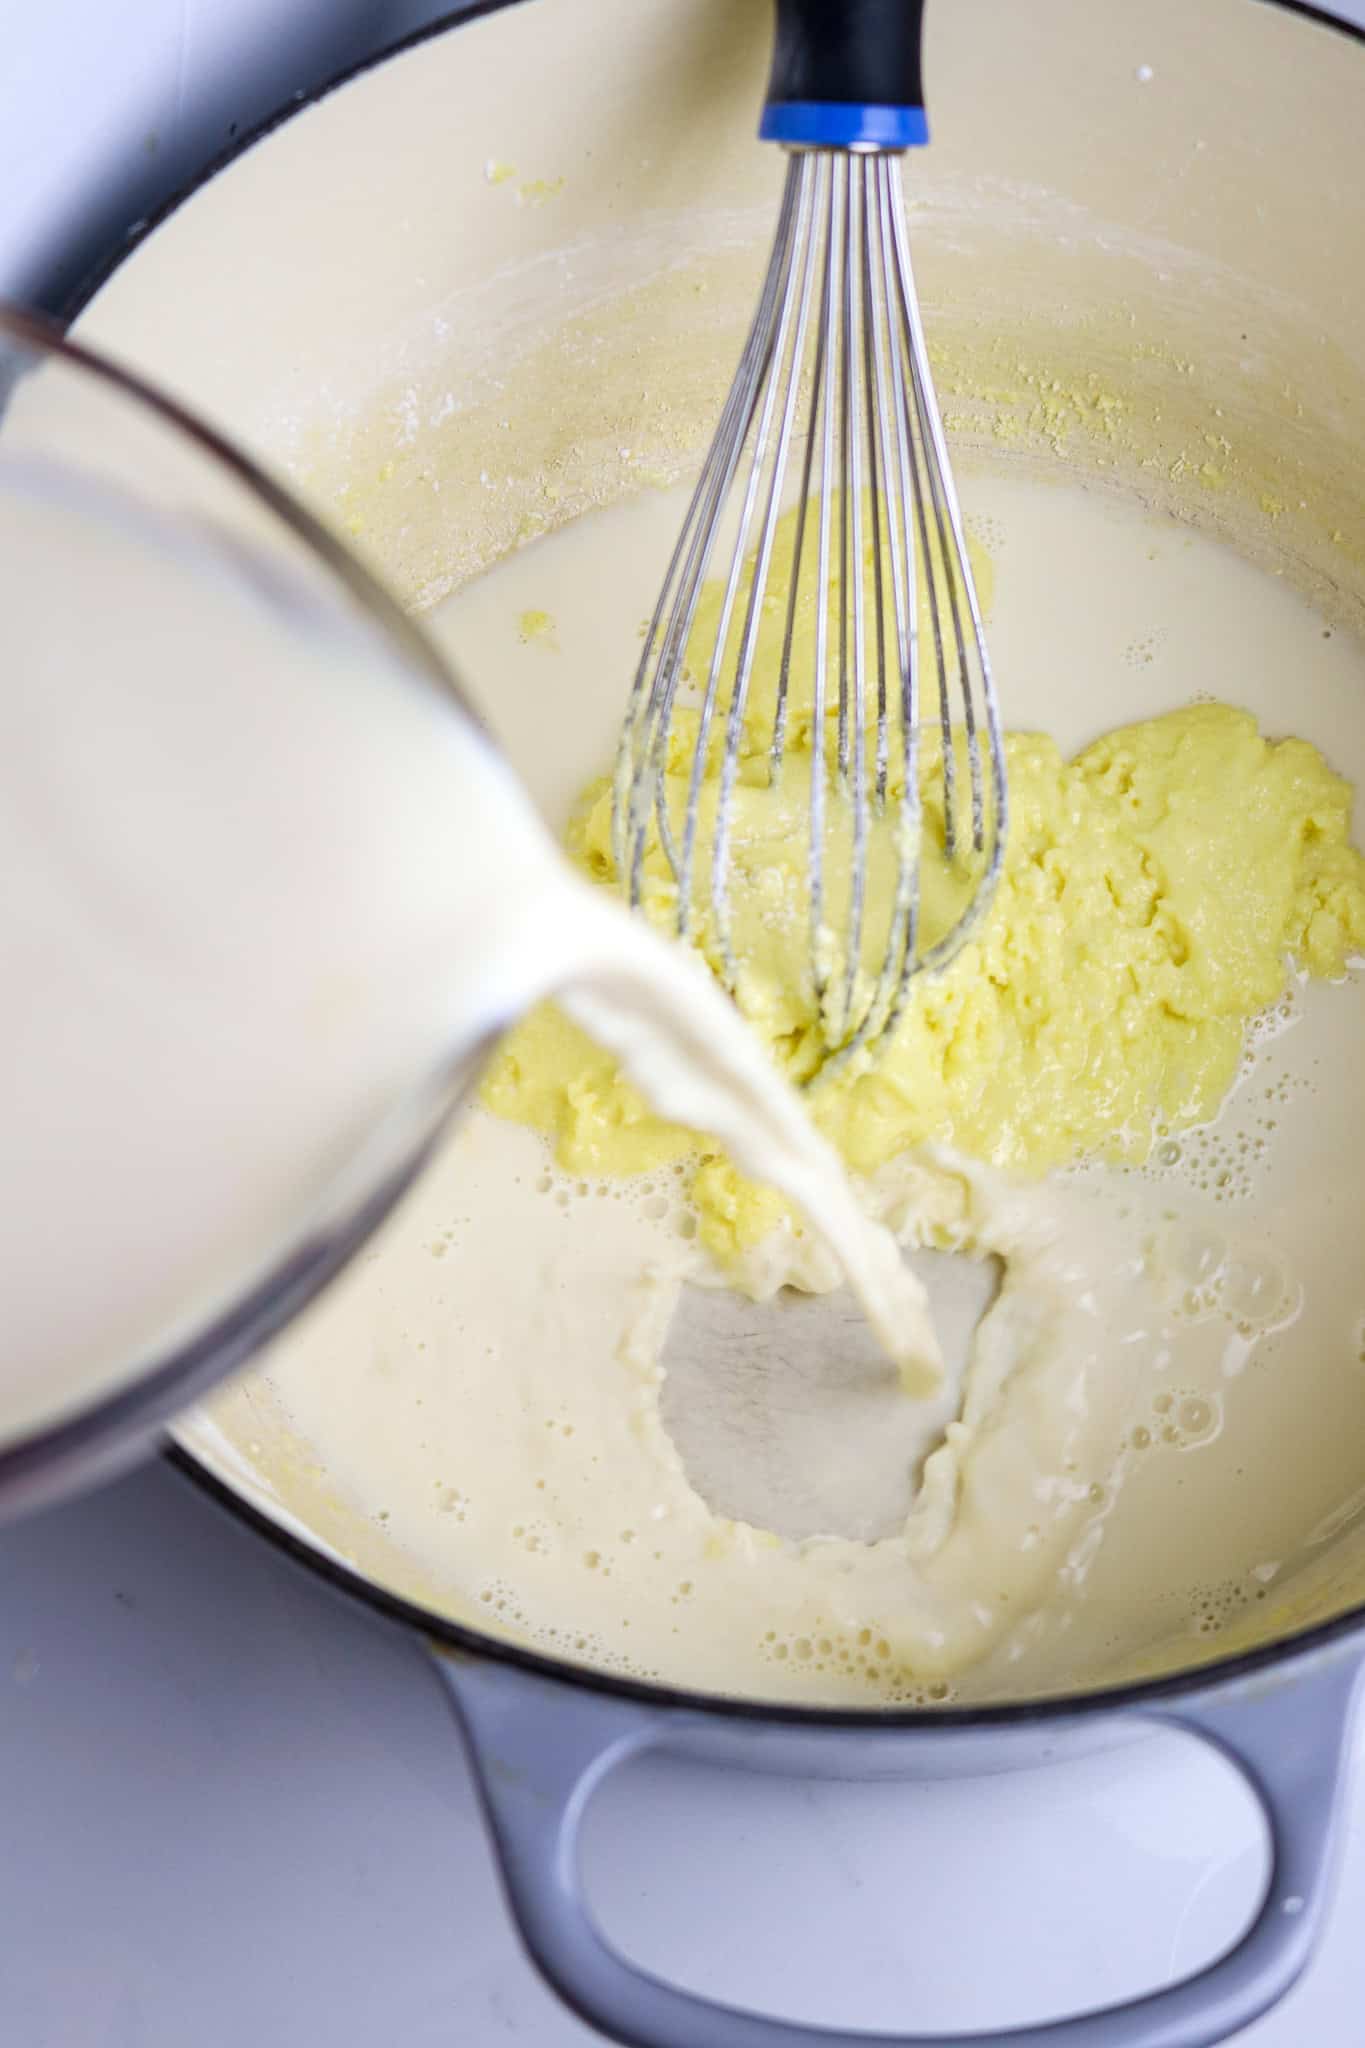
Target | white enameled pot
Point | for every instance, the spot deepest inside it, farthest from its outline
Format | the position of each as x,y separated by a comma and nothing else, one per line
557,211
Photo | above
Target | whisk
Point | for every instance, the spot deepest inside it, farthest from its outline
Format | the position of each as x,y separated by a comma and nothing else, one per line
827,486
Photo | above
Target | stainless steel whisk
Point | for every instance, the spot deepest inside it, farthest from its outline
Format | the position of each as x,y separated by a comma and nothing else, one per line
834,399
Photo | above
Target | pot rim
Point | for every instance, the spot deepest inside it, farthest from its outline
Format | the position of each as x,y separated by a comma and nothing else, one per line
449,1635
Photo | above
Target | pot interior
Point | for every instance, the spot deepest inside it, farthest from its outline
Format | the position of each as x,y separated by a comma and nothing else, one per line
495,283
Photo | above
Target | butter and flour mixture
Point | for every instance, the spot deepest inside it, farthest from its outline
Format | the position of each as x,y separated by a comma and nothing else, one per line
1153,889
1133,1104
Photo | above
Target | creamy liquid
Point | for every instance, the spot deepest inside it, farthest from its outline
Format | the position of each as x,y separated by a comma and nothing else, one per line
1172,1401
262,888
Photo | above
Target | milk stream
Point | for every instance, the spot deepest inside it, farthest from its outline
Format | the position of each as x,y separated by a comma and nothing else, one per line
260,887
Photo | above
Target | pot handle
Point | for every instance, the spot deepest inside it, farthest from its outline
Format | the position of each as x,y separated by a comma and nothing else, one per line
540,1748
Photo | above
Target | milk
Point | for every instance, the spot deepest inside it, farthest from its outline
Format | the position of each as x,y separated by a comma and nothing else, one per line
487,1392
264,890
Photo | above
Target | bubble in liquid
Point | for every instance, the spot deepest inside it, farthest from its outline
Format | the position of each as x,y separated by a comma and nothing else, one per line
1255,1285
1197,1254
1196,1416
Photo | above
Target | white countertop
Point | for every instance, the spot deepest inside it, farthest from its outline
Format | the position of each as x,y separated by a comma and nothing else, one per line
235,1810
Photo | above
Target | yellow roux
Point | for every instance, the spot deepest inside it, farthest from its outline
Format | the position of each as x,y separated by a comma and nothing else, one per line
489,1383
1153,887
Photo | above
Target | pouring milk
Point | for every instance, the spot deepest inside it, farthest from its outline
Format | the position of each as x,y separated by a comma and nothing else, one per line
263,887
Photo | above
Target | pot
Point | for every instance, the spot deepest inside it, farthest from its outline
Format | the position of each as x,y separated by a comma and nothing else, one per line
556,216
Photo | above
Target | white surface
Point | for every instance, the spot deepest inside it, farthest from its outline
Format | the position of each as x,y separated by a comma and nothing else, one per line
235,1811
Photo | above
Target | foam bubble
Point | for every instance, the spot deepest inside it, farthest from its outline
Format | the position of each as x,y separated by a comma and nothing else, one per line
1255,1285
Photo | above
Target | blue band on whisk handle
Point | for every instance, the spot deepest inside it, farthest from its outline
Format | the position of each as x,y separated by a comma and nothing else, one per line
846,75
836,124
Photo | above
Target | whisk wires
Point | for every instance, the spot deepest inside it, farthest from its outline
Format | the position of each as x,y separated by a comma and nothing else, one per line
826,495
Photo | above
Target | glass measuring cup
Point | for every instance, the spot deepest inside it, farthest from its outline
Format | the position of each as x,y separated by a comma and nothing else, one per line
145,565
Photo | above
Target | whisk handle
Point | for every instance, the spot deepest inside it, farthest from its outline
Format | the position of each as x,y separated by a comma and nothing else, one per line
846,75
